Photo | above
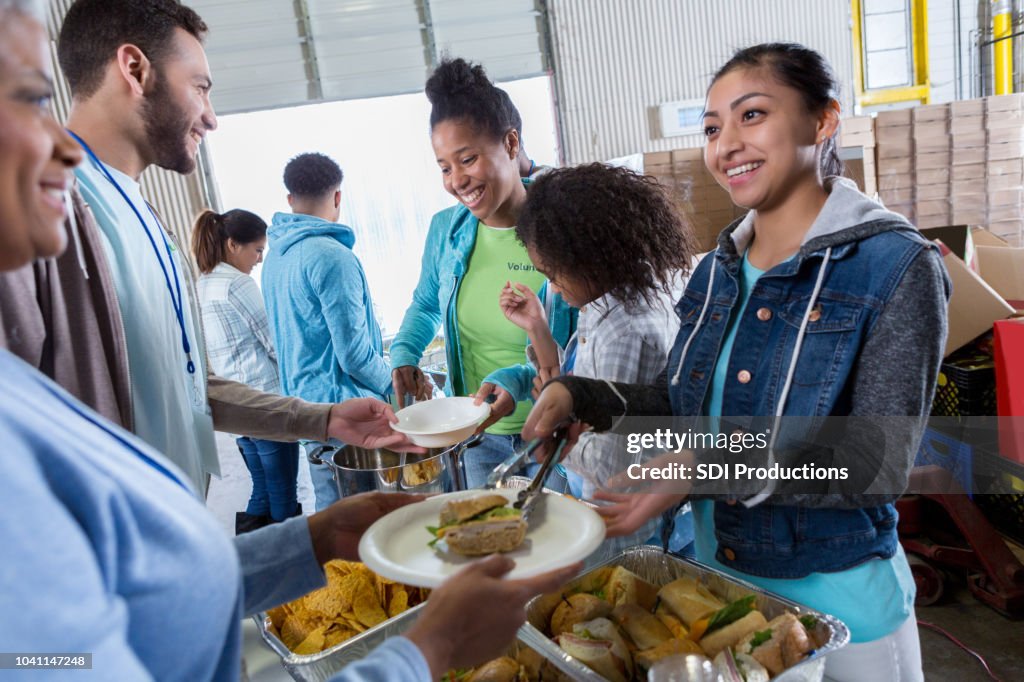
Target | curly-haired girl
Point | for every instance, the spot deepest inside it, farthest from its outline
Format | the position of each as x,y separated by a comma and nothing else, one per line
613,245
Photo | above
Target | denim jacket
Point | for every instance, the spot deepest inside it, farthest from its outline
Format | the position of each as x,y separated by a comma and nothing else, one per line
873,291
446,255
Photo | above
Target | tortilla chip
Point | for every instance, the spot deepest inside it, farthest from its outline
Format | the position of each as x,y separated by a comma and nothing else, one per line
313,643
294,632
398,604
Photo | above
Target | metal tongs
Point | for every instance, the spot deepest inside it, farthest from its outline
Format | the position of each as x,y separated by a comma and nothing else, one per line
529,496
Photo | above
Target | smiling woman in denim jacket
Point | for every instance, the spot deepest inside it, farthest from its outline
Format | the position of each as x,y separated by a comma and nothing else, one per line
470,253
818,303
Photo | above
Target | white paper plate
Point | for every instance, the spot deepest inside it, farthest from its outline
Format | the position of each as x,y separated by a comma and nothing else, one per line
441,422
562,531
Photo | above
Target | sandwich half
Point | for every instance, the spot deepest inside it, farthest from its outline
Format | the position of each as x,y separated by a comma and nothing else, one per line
480,525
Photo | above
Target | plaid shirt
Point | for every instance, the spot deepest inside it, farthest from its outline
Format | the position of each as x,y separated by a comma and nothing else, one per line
616,345
238,341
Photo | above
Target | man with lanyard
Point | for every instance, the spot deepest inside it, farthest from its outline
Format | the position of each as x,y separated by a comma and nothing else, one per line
140,84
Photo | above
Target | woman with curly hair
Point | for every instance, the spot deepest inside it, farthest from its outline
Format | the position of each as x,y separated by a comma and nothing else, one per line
470,253
613,245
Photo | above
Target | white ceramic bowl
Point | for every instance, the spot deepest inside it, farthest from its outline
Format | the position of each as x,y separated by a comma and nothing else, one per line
442,422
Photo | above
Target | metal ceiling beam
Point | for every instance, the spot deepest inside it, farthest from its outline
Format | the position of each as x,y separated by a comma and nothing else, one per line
309,49
429,42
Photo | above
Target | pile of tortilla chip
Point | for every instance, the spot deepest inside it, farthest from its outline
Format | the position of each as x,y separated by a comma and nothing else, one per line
354,600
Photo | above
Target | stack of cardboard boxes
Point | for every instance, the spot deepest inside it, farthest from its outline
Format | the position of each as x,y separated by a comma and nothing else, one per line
708,206
955,164
859,133
1004,177
932,165
894,149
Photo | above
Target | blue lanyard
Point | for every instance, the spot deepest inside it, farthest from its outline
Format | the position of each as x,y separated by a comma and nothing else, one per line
177,301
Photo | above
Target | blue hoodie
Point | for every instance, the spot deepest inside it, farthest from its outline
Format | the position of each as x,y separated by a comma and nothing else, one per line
329,346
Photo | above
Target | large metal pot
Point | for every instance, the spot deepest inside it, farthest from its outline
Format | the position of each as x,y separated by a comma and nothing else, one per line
360,470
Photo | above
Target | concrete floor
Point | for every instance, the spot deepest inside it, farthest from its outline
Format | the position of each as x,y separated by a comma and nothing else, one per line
999,640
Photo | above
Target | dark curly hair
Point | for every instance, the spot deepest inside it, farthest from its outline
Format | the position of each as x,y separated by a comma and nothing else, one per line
613,229
802,69
459,90
94,29
312,175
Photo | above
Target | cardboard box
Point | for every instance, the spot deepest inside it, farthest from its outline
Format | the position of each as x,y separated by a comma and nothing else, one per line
966,108
893,117
1011,231
935,176
969,202
1001,182
1004,102
1006,151
1006,197
903,164
938,191
973,306
931,160
924,129
931,112
932,221
892,181
895,150
931,207
968,172
1000,213
1005,167
970,216
657,159
939,142
862,140
971,186
1003,268
897,196
893,134
1004,135
1004,119
969,138
968,156
905,209
857,124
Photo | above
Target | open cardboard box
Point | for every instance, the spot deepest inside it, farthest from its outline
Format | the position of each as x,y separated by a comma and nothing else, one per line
1002,266
976,303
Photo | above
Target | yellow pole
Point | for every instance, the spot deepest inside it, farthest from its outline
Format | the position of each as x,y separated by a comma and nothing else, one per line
1002,27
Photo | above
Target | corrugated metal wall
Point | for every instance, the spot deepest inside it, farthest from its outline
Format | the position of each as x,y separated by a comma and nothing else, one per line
615,61
276,53
177,198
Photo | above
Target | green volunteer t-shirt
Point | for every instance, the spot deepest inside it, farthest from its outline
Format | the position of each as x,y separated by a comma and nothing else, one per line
488,340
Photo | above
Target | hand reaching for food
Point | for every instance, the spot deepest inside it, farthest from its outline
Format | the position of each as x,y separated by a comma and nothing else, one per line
410,380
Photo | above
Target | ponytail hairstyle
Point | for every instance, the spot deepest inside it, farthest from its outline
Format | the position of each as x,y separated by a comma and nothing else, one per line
804,70
212,231
459,90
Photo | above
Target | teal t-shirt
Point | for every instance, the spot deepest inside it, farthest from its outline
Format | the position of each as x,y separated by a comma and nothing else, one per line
488,340
873,598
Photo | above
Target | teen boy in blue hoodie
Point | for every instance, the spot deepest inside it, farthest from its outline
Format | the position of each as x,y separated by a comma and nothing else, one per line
328,342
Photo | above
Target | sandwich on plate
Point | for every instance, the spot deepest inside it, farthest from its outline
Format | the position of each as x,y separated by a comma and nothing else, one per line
479,525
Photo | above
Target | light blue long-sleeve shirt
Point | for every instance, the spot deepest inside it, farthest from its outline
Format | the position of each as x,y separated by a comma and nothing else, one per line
108,552
329,345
